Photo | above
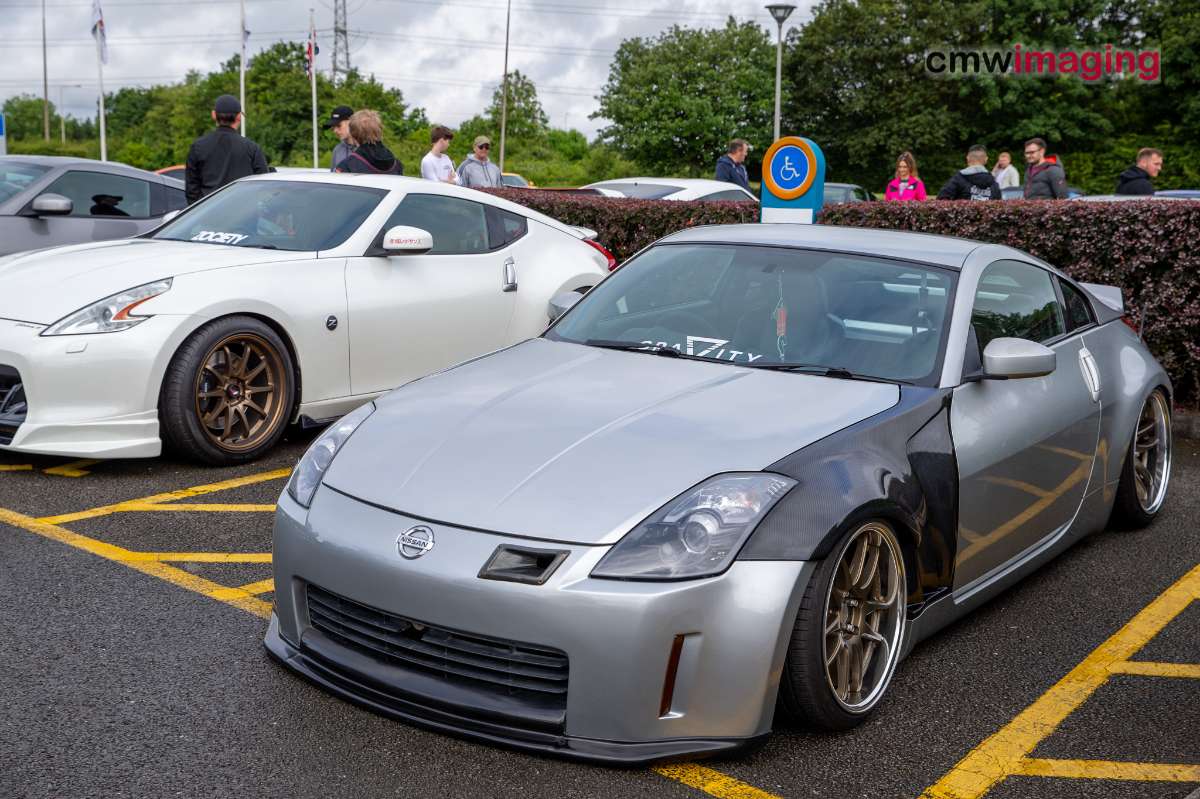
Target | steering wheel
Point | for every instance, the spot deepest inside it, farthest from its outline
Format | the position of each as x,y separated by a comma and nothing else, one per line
689,322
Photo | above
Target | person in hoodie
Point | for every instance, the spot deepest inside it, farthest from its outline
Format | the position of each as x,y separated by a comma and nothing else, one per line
1044,178
1136,179
974,182
906,185
477,171
370,155
731,167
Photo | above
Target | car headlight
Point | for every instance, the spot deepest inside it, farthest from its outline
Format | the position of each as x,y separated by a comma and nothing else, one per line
311,468
109,315
699,533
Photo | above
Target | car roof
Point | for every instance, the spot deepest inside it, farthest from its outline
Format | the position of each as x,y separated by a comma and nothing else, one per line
66,160
403,183
1109,198
945,251
683,183
844,185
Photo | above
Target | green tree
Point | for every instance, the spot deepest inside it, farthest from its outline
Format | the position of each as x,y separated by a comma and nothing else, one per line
23,117
526,118
675,101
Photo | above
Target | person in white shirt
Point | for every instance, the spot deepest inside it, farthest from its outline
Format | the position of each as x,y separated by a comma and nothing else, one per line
1005,173
436,165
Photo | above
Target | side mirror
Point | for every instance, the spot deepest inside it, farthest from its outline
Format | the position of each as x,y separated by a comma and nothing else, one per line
1013,358
404,239
561,303
52,205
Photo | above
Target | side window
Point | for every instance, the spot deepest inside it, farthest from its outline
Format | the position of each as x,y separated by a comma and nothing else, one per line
97,194
1016,300
722,196
458,226
504,227
1079,310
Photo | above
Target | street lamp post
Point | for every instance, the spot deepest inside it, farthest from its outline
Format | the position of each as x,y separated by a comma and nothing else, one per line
780,12
62,117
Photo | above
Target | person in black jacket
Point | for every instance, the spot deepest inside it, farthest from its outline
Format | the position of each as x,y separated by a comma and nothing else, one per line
1136,179
221,156
974,182
731,167
369,155
1045,178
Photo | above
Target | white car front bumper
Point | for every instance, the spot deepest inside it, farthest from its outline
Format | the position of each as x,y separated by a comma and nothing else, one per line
90,395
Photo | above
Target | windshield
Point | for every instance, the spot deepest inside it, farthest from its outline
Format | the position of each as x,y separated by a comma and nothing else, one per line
641,191
280,215
770,307
16,176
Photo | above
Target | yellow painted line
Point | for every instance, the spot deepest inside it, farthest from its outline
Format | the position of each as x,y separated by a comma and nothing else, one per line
231,596
203,557
170,496
72,469
261,587
1146,668
183,507
1002,754
21,467
1020,485
713,783
1070,453
1109,770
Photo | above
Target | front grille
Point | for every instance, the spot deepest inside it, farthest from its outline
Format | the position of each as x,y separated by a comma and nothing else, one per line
13,406
490,665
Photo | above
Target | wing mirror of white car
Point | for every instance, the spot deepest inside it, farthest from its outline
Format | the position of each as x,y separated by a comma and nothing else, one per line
50,204
403,239
561,303
1014,358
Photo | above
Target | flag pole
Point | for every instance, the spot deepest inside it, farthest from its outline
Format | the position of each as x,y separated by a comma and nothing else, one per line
45,81
242,70
504,95
312,70
100,72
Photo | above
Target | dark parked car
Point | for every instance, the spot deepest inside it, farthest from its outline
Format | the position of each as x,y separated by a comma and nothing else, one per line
46,201
836,193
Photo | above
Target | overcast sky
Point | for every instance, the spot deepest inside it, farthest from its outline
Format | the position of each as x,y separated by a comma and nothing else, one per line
446,55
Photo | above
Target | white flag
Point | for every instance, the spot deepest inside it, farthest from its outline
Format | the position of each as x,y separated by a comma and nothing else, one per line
98,30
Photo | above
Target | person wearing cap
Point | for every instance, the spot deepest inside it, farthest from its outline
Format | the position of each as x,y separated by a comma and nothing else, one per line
731,167
221,156
476,171
339,123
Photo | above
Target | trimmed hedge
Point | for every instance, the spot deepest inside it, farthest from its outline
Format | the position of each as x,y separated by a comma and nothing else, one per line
1150,249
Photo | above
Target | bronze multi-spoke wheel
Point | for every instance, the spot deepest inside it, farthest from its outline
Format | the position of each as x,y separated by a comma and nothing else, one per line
228,393
849,630
1147,470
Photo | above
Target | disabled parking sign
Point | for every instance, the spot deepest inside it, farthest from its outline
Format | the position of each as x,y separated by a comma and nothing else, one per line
793,181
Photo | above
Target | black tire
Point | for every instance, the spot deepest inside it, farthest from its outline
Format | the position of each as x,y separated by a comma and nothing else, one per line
209,412
1132,510
806,693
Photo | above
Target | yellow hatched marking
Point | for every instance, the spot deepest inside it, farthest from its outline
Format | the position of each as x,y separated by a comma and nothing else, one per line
1109,770
72,469
16,467
170,496
1020,485
1070,453
261,587
231,596
184,507
1005,753
203,557
713,783
1146,668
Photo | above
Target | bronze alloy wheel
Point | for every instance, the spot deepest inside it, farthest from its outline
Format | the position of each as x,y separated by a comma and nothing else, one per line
864,617
1152,453
241,392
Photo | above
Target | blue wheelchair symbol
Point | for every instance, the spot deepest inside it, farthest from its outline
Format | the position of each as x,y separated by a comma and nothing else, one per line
789,167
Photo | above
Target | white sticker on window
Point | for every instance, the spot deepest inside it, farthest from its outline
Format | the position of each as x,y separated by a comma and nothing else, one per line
220,238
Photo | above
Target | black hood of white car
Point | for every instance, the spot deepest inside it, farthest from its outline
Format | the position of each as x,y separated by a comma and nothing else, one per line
564,442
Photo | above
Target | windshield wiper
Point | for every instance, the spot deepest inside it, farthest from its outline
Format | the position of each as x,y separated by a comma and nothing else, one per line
824,371
635,346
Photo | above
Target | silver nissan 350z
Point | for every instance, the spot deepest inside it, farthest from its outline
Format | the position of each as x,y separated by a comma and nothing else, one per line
742,476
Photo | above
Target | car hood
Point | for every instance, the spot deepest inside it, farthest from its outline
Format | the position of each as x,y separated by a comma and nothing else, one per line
45,285
564,442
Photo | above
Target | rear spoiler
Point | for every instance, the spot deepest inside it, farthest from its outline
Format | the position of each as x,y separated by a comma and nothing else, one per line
583,232
1109,295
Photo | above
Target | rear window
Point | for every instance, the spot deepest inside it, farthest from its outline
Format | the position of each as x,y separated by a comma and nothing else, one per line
642,191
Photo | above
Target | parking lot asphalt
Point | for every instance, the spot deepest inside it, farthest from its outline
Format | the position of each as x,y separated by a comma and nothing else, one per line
134,600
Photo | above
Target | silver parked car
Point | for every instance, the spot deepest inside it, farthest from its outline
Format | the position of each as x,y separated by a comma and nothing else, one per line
750,469
46,201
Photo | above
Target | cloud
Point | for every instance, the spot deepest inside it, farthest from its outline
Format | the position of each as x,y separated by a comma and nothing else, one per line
445,56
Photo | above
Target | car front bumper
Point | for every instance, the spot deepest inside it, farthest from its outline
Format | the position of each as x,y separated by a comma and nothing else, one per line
89,395
617,636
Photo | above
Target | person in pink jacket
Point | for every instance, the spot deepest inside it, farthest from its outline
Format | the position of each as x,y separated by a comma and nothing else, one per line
906,185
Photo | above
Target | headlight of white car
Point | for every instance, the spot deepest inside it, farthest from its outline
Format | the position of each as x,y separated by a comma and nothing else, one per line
311,468
699,533
109,315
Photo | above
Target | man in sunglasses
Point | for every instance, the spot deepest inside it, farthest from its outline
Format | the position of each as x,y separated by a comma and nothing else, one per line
477,171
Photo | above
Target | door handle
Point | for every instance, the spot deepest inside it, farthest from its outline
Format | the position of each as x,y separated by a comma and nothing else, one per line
510,275
1091,373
